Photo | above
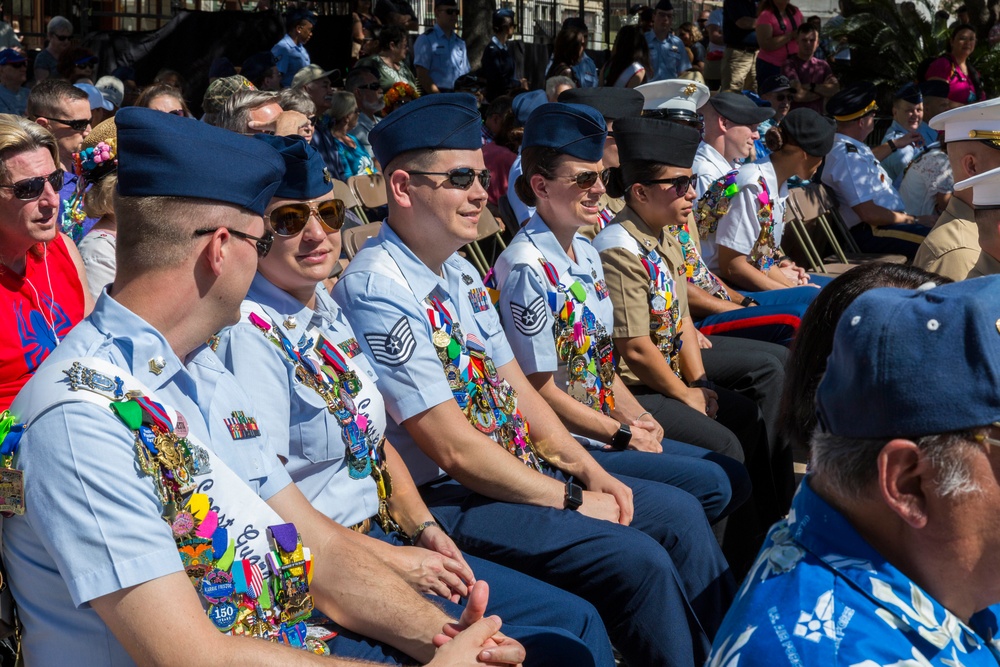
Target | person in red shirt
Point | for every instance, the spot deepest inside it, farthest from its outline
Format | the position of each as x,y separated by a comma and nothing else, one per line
42,279
812,78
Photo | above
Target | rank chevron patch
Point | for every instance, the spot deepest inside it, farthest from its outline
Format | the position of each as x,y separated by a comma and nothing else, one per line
394,348
530,319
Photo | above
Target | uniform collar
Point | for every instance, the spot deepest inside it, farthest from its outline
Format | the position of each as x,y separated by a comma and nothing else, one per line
987,265
829,536
849,140
439,32
542,238
960,210
637,227
715,157
286,312
500,45
144,348
418,276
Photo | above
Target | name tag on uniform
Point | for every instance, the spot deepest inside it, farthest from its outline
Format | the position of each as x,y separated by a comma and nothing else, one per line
480,299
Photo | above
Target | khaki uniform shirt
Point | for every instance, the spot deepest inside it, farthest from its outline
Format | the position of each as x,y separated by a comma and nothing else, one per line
610,207
952,246
986,266
622,245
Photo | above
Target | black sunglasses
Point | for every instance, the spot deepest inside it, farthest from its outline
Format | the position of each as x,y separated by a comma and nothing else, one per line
784,97
30,189
374,85
76,125
63,38
587,179
462,178
290,219
263,243
680,183
451,12
17,65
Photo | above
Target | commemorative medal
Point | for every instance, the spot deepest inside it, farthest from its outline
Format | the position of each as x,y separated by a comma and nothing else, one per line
440,338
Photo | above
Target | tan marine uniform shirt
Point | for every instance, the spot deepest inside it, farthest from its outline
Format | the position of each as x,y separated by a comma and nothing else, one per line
627,280
986,266
952,246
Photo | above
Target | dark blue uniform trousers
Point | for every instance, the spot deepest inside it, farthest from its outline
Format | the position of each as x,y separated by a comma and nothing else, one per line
775,320
555,627
719,483
661,585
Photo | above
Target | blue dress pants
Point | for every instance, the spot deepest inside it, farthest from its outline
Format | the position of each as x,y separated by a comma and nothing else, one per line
661,585
775,320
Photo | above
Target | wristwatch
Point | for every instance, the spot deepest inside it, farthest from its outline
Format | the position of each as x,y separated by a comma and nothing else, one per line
703,384
748,301
892,146
574,496
622,437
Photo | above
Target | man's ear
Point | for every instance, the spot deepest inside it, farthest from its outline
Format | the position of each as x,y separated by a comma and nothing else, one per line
399,188
904,476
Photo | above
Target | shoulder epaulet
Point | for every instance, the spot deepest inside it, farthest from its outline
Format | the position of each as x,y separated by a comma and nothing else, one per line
850,148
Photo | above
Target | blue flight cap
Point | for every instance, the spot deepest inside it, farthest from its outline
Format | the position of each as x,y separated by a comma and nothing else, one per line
446,121
910,93
894,353
527,102
306,175
163,155
573,129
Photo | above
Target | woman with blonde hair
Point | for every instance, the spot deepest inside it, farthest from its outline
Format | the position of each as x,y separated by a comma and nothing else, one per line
41,273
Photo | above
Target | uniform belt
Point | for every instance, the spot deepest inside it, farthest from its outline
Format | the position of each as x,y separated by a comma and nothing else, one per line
364,527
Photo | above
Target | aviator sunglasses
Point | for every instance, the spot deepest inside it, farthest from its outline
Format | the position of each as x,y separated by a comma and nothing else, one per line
461,178
30,189
290,219
588,179
680,183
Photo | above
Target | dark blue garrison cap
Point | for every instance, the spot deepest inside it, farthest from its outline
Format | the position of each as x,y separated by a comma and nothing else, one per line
163,155
908,363
910,93
306,175
573,129
446,121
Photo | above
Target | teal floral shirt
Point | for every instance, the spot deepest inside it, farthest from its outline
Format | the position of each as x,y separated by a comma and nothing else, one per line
819,594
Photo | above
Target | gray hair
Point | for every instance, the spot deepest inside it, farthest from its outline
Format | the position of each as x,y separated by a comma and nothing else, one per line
59,23
235,113
296,99
342,105
850,465
554,82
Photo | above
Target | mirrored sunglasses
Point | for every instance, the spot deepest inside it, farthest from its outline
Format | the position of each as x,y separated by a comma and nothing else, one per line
680,183
30,189
462,177
291,219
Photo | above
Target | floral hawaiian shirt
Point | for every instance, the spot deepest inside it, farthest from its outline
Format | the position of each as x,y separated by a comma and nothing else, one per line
819,594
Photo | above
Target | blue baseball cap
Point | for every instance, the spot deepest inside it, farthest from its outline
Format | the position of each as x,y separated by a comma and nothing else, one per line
160,154
573,129
11,57
446,121
896,352
95,97
306,175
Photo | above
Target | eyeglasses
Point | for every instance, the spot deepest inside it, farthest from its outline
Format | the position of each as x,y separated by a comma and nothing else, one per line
62,38
783,97
374,85
76,125
461,178
87,65
588,179
290,219
30,189
16,65
451,12
263,243
680,183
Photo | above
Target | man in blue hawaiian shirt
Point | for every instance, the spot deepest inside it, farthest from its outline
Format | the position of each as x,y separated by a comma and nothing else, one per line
889,555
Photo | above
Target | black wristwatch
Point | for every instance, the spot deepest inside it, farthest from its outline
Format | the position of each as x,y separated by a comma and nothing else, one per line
892,146
748,301
574,496
622,437
702,384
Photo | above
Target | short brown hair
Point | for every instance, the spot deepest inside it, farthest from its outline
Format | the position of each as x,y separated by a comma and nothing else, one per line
45,98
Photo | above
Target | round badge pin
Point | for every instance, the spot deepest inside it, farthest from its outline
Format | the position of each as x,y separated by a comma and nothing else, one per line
223,616
182,524
217,586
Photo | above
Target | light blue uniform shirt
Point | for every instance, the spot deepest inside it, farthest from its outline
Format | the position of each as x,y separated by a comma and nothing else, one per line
92,524
667,57
896,162
442,56
13,103
586,72
521,210
304,431
524,294
291,58
383,294
819,594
